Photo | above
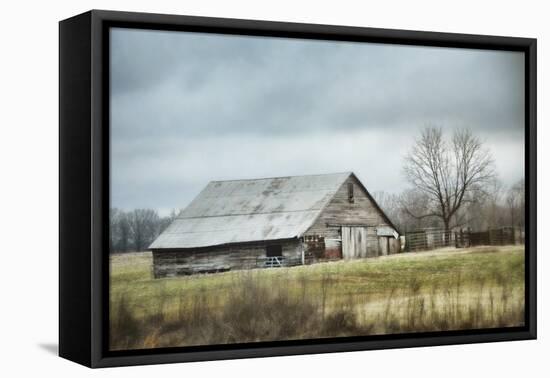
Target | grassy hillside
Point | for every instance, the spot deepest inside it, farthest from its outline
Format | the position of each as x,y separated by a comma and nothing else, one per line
439,290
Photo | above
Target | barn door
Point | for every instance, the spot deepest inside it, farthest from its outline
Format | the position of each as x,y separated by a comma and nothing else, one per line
384,245
354,242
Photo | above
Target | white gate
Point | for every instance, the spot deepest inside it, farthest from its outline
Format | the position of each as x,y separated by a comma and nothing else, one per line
354,242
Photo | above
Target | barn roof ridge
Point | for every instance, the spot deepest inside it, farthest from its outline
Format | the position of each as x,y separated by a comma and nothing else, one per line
241,214
283,177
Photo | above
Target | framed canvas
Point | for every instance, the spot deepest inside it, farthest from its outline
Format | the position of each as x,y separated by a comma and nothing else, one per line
235,188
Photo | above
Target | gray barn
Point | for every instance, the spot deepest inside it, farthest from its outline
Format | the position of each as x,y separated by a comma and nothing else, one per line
272,222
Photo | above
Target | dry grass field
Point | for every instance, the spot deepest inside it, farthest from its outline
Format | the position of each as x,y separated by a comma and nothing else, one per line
446,289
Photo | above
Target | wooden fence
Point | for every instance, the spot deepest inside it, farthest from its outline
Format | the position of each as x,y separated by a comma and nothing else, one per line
428,239
424,240
500,236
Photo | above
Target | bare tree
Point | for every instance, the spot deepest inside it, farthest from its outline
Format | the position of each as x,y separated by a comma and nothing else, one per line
389,203
447,173
124,232
134,230
144,227
113,225
494,211
119,230
413,202
515,201
164,222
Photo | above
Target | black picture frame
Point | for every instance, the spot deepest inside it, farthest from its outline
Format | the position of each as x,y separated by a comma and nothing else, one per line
84,187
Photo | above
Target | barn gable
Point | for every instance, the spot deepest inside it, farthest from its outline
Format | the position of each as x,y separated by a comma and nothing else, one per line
351,225
361,209
241,211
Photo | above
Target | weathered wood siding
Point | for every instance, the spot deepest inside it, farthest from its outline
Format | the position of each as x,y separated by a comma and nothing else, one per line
360,212
388,245
169,263
354,242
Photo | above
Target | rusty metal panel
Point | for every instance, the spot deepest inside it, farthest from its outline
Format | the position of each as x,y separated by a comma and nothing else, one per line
333,248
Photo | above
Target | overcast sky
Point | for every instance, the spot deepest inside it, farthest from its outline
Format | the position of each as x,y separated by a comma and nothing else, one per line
188,108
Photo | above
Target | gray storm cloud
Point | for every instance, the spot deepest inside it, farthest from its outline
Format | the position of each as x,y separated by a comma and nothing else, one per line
187,108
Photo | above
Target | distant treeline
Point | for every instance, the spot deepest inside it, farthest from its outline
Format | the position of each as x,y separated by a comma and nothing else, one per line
494,207
135,230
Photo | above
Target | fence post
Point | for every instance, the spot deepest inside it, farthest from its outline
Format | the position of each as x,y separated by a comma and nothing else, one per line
456,240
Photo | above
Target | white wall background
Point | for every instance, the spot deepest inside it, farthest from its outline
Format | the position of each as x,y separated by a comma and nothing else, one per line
29,186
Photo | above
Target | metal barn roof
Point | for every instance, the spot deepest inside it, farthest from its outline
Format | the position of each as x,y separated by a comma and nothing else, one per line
240,211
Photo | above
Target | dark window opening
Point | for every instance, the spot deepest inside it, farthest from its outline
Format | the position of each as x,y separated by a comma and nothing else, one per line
350,193
275,250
